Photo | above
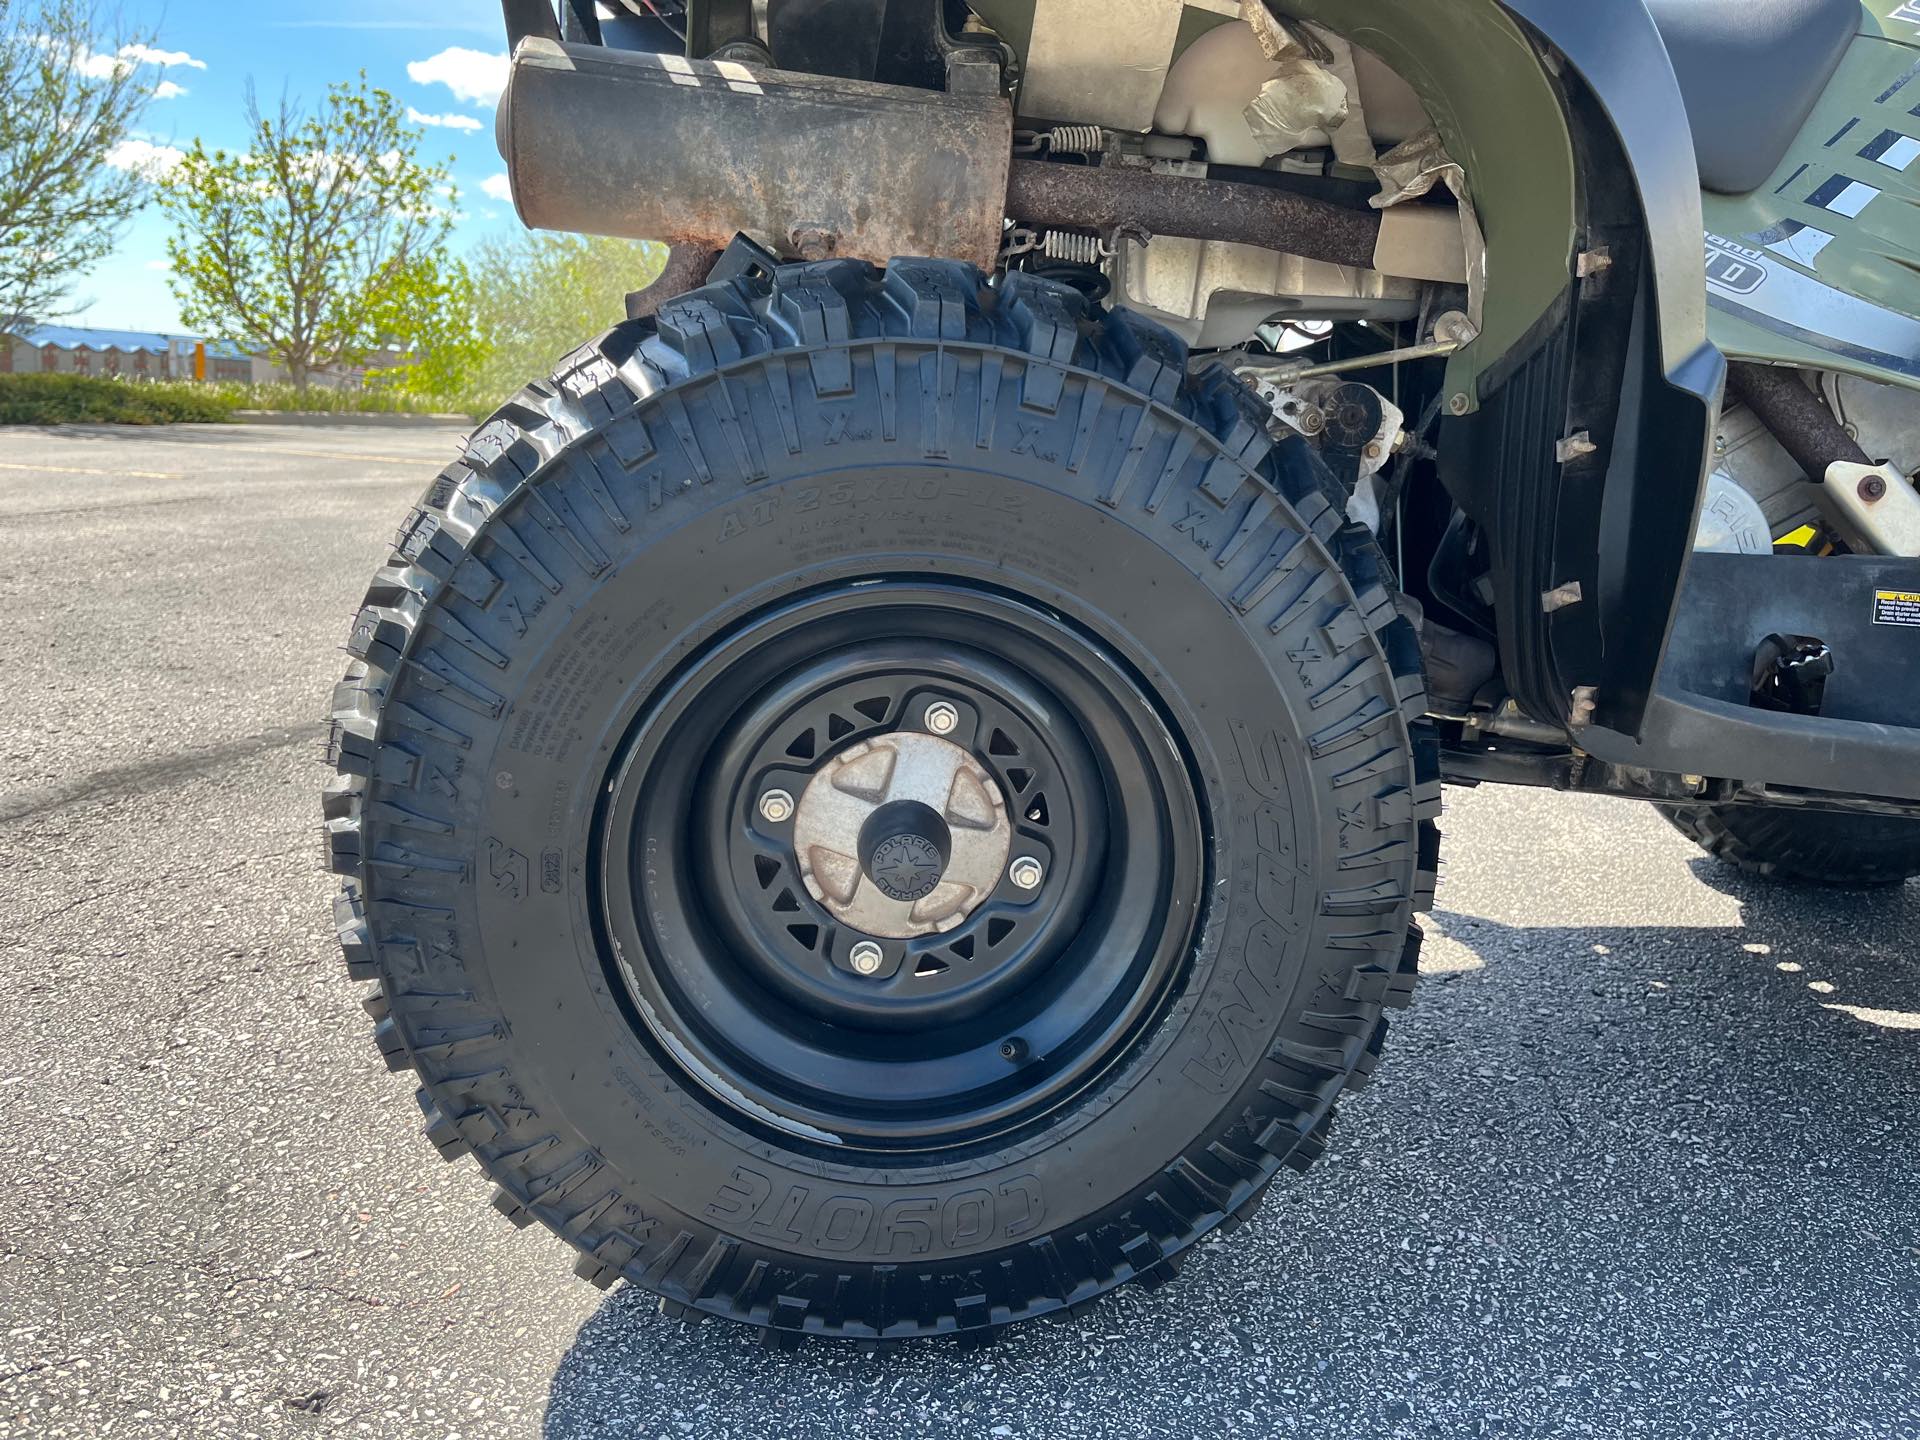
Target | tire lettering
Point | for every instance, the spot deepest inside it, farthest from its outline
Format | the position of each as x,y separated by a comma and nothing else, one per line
906,1227
508,869
1027,1189
1233,1038
780,1225
1262,761
966,1218
842,1224
745,1191
794,1215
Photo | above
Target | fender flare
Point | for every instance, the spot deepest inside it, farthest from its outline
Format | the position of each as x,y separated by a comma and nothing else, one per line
1617,52
1583,142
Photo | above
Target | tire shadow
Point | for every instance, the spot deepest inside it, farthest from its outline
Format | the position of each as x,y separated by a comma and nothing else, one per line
1614,1179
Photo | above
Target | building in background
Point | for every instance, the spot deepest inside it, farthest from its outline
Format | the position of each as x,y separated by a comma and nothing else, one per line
142,355
134,354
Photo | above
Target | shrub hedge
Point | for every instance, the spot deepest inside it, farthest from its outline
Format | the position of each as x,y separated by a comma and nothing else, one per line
101,400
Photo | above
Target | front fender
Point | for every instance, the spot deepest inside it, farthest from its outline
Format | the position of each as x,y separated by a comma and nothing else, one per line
1585,405
1617,52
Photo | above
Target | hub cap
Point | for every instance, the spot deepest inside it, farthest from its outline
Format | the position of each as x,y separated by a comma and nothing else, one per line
902,835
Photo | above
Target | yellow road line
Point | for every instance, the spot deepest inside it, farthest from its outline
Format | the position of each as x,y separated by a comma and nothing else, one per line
107,474
333,454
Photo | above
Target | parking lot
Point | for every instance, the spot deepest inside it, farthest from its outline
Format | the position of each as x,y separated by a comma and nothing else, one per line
1644,1158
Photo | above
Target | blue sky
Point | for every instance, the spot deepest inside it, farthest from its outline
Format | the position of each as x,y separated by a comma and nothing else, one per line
443,59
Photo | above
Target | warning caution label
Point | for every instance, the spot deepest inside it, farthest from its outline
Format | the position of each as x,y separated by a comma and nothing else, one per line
1896,607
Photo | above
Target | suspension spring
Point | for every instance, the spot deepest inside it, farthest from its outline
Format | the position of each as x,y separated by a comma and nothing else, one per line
1076,140
1074,248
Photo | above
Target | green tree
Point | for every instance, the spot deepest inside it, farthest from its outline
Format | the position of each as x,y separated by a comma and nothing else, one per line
68,98
439,316
539,295
321,242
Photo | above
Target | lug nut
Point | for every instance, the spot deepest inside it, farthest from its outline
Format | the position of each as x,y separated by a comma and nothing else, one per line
941,718
776,805
1014,1050
1026,872
866,958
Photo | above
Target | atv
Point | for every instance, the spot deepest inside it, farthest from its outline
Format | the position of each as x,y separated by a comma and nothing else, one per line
889,796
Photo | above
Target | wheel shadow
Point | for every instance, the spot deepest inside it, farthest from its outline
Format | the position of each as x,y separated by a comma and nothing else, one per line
1652,1178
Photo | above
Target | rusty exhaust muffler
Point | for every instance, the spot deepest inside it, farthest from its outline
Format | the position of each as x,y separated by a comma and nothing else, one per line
657,147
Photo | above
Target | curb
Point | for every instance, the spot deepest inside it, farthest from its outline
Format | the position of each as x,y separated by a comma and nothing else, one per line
388,421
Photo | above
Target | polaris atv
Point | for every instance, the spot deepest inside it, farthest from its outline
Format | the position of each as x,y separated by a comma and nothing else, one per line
889,796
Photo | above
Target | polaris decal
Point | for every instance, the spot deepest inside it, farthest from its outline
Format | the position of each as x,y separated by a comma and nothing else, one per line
1733,268
1748,283
1909,12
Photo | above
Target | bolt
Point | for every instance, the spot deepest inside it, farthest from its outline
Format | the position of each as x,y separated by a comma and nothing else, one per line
1459,404
1454,326
1873,487
941,718
776,805
1026,872
1014,1050
810,242
866,957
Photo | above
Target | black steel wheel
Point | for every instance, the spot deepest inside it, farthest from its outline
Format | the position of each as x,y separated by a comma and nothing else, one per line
878,806
899,1004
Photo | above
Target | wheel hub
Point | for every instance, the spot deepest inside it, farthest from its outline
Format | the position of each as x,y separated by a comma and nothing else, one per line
902,836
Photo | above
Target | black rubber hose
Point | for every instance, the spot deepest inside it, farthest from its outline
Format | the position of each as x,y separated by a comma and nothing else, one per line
1795,415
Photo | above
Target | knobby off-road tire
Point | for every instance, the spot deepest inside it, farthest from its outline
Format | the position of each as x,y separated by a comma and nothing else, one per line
1815,847
1002,496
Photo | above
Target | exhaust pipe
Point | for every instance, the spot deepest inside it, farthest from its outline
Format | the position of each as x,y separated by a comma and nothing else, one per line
658,147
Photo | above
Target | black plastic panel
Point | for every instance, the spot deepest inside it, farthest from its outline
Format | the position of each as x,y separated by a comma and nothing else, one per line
1866,742
1731,603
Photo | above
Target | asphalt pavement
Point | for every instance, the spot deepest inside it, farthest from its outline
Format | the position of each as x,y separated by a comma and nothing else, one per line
1643,1160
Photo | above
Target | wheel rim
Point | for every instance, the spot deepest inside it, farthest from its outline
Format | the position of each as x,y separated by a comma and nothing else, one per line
782,847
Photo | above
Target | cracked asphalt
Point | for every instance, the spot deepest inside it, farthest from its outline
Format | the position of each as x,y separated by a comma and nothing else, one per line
1642,1160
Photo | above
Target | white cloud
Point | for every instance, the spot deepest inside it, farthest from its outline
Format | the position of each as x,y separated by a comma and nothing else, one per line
147,55
473,76
167,90
144,158
498,187
161,265
102,67
449,121
96,66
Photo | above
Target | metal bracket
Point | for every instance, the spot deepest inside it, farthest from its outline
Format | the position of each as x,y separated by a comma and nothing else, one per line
715,23
530,18
1877,501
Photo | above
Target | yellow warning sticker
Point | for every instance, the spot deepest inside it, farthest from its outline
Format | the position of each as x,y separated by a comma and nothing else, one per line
1896,607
